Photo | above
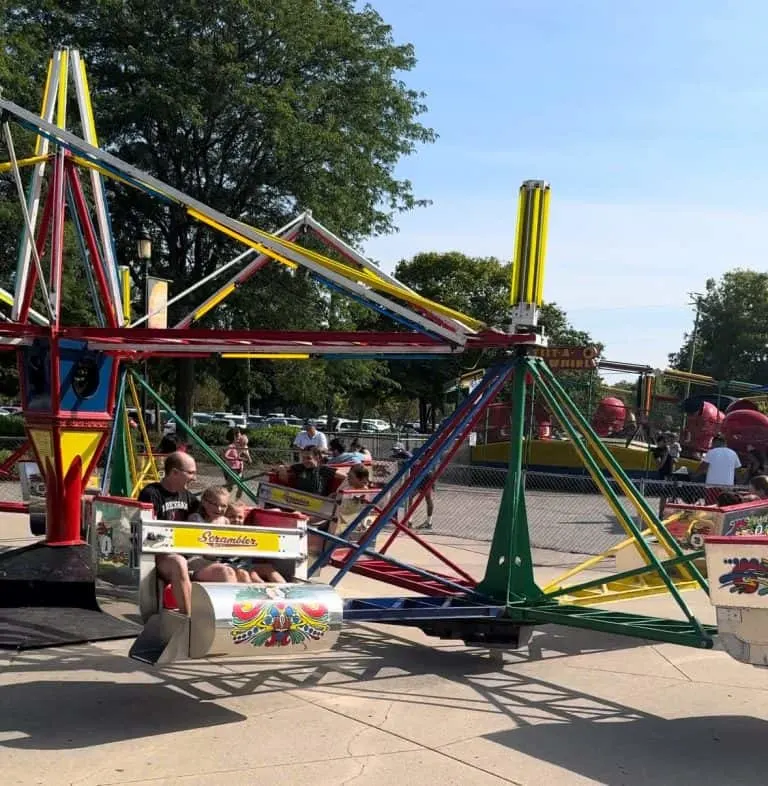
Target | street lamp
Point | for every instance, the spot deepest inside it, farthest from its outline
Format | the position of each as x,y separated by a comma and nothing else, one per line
144,253
144,246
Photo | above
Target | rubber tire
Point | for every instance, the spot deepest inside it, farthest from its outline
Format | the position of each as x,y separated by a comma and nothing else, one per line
37,523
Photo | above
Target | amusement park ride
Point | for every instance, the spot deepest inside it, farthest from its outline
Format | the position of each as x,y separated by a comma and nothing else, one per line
73,382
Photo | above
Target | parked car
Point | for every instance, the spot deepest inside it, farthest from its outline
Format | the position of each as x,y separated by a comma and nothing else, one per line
378,424
229,422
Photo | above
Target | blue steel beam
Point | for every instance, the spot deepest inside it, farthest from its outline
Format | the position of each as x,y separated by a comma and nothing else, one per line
481,396
393,483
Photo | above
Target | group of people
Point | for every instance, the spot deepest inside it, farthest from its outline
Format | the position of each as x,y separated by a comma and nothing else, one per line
315,472
718,468
171,500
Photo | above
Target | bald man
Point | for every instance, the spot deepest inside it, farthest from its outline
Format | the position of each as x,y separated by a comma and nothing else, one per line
172,501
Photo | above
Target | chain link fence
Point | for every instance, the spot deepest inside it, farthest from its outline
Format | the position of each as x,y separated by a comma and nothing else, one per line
566,512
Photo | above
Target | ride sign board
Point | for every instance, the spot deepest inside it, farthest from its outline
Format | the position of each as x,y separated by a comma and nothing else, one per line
291,499
569,358
172,538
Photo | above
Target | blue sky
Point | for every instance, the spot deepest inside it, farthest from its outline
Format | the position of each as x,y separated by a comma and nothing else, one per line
650,121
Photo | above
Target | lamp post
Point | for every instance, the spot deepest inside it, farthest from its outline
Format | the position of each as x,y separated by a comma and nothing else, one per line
144,254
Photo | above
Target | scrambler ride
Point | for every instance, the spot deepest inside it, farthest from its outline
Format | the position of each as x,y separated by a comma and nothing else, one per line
99,549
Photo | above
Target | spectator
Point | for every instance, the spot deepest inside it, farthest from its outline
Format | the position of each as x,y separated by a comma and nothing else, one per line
663,456
236,455
755,462
172,501
171,443
340,455
358,447
759,486
720,464
310,437
675,450
403,456
309,474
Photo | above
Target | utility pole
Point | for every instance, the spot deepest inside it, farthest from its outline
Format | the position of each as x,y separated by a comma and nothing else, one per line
696,298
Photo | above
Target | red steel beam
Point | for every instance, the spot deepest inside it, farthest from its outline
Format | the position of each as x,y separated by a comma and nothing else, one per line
97,263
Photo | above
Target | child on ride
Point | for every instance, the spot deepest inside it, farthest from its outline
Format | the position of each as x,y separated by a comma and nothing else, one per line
257,571
213,505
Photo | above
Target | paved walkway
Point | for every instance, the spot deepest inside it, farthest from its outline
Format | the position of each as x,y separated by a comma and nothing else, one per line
390,705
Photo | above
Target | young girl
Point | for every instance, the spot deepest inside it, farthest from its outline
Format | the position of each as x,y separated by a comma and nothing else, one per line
350,504
236,455
255,571
213,506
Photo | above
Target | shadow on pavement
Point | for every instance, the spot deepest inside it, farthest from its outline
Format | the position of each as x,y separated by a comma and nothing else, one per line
65,715
650,751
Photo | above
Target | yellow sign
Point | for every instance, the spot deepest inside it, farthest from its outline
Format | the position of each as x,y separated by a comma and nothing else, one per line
43,442
79,443
200,538
295,499
157,303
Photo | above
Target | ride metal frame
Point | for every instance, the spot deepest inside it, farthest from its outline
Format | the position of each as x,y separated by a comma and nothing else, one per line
507,598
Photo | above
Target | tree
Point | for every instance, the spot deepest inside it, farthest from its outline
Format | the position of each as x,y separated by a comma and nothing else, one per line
256,107
478,286
731,341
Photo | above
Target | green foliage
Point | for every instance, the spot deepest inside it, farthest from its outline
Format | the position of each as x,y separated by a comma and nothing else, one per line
732,336
257,108
478,286
266,438
12,426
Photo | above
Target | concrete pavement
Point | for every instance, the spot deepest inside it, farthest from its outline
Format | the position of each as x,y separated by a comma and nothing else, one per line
390,705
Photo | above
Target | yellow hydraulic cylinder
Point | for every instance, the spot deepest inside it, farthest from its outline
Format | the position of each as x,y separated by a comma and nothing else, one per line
527,285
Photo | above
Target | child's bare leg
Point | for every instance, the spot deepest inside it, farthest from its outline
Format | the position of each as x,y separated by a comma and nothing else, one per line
268,573
255,578
243,576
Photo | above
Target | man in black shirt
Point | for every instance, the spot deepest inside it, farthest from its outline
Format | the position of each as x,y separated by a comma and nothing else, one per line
310,475
172,501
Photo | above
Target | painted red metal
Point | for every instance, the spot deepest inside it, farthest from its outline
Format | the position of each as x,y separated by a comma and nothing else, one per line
89,233
380,570
40,241
57,236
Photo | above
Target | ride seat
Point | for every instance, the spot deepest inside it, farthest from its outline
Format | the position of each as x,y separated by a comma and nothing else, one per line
168,598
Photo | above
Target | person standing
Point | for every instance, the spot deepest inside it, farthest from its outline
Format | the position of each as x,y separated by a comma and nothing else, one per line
720,464
310,437
236,455
403,456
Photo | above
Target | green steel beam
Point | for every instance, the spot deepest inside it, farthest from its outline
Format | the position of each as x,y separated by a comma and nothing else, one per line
212,455
634,625
509,571
119,479
539,371
613,466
